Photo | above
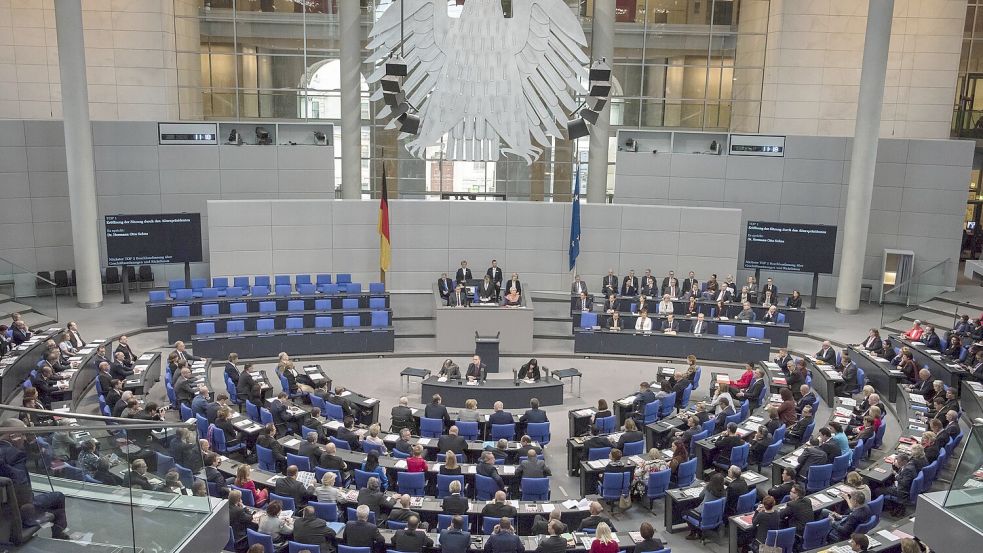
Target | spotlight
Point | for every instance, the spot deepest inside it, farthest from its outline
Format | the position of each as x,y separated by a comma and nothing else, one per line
390,84
600,88
235,138
577,128
263,137
320,139
600,71
596,104
395,67
393,99
409,123
589,115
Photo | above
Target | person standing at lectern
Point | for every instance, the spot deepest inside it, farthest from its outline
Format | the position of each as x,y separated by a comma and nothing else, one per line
609,286
463,274
530,370
459,298
444,287
495,273
476,370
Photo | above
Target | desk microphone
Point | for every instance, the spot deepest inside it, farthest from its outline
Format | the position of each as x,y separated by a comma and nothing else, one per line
515,377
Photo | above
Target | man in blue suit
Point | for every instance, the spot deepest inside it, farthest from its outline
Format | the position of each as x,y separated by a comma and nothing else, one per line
844,525
454,539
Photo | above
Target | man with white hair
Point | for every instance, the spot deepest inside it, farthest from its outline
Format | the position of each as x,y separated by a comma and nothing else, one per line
199,405
826,354
362,533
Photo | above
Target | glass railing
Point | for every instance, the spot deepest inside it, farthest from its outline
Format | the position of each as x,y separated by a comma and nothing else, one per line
964,498
907,295
117,489
967,123
23,291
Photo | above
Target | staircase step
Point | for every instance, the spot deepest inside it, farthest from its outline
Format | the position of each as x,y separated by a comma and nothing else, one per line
965,304
941,322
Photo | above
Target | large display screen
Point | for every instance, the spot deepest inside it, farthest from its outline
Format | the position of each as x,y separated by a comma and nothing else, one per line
153,239
789,247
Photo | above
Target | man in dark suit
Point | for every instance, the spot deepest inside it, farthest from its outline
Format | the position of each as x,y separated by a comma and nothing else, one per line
811,455
311,530
899,494
230,368
808,397
629,286
124,347
769,287
362,533
848,370
487,468
105,379
578,287
844,525
436,410
289,486
667,282
347,433
513,282
691,286
372,496
310,449
454,503
726,443
828,446
463,274
783,358
183,354
452,442
798,512
212,474
595,518
329,458
648,285
100,357
503,539
644,396
244,388
532,415
444,286
498,508
401,512
670,324
267,439
724,410
495,273
459,298
583,303
20,333
781,490
724,294
454,539
114,393
119,370
753,391
284,421
555,543
826,354
500,416
184,388
411,539
609,284
736,487
476,369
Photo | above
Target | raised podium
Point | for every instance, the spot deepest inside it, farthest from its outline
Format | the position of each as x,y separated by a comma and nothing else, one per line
487,349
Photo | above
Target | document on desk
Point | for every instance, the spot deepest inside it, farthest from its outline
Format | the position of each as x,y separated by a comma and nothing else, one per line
547,507
569,504
293,442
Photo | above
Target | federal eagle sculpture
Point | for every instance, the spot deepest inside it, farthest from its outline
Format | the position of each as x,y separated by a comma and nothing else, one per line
491,84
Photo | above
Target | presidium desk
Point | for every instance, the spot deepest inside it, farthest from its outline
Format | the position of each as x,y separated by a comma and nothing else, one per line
710,347
515,395
456,326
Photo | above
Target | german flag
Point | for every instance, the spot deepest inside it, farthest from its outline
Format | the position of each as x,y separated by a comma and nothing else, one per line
385,252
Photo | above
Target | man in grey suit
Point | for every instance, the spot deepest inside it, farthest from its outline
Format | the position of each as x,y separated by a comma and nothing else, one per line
312,530
459,298
454,539
578,287
531,467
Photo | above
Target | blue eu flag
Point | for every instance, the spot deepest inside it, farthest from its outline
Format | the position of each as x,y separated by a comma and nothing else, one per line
575,223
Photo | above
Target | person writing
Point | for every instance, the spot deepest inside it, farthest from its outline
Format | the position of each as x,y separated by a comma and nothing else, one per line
530,370
449,370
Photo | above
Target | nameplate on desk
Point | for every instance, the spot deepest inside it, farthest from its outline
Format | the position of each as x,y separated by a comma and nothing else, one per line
133,381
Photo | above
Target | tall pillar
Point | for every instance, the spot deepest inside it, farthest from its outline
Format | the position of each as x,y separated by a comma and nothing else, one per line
602,46
351,100
78,152
864,158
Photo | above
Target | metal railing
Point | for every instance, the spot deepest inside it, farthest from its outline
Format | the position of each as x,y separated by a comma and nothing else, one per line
27,288
909,294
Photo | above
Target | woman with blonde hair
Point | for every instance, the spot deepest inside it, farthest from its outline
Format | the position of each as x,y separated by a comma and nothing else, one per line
470,411
373,437
326,492
603,540
855,481
450,465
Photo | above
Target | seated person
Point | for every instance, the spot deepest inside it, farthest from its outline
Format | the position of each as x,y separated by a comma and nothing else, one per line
513,298
746,313
614,322
444,286
530,370
36,508
486,290
449,370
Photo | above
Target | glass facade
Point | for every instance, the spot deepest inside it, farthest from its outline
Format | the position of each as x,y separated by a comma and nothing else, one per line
967,122
690,64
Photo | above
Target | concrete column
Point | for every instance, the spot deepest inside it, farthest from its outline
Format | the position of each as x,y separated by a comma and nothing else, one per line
602,46
351,100
78,152
864,158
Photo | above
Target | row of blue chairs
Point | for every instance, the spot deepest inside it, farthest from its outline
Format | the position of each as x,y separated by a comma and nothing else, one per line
240,308
187,294
434,428
379,319
281,283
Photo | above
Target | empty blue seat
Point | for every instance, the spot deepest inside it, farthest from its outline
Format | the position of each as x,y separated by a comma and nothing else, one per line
174,284
202,329
588,320
264,325
343,278
262,281
183,294
260,291
209,309
377,303
380,318
726,330
349,303
377,288
353,288
209,293
220,282
235,326
302,279
756,332
281,279
240,282
157,295
294,323
234,292
267,306
322,322
237,308
181,311
295,305
283,290
306,289
322,278
351,321
329,289
322,304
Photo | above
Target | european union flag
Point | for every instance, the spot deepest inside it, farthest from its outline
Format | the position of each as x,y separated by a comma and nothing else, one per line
575,223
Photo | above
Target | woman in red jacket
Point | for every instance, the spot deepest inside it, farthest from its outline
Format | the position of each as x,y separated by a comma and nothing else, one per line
416,463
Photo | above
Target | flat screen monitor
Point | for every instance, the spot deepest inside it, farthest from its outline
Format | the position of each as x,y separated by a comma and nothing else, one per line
792,247
153,239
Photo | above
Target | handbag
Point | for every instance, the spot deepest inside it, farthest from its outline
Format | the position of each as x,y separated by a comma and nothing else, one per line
764,548
624,502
